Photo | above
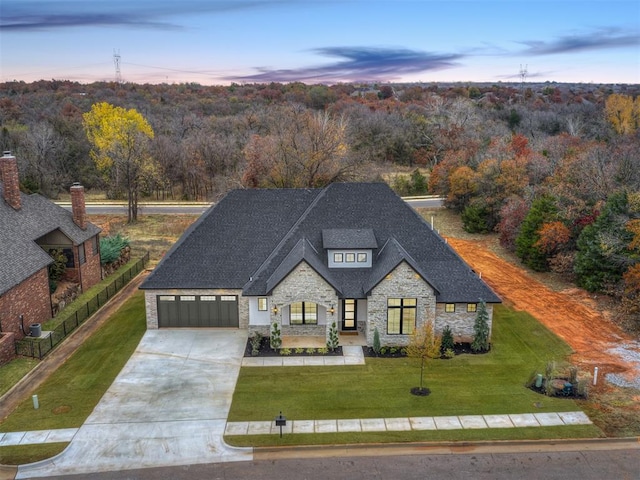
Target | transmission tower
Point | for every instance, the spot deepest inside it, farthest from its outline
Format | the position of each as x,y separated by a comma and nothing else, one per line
523,76
116,62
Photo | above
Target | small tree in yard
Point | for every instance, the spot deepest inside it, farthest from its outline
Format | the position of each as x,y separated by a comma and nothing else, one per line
424,344
481,329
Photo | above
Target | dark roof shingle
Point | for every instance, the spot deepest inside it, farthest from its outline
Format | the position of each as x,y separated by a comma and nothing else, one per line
20,256
251,239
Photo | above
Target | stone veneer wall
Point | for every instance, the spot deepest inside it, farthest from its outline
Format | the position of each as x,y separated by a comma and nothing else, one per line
151,303
402,282
460,322
303,284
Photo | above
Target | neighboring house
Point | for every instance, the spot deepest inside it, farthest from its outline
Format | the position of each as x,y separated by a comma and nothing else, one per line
31,226
353,253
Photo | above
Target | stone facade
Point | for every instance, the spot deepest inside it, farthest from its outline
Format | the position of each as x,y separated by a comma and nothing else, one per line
460,321
402,282
151,303
30,299
304,284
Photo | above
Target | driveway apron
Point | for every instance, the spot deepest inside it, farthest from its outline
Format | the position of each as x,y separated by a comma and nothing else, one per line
168,406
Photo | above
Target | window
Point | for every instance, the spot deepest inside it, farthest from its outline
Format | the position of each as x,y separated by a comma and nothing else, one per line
207,298
81,257
187,298
262,304
68,252
337,258
401,316
362,257
167,298
350,257
449,307
227,298
94,245
472,307
303,313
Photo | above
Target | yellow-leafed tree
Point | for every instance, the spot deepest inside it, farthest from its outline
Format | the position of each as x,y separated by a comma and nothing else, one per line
623,112
423,344
120,140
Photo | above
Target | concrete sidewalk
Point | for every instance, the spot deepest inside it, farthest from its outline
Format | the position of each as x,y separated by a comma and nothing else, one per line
351,355
466,422
462,422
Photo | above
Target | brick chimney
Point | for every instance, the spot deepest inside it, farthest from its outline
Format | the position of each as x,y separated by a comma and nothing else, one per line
10,179
78,206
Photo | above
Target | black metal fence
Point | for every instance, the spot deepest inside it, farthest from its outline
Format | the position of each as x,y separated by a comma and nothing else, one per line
38,347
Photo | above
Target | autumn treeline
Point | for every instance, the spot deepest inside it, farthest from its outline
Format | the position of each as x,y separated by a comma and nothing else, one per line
539,164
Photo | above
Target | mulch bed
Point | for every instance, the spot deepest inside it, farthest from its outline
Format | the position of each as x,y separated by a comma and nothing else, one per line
459,349
266,351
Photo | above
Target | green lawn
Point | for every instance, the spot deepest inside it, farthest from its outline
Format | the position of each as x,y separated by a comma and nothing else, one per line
465,385
12,372
71,393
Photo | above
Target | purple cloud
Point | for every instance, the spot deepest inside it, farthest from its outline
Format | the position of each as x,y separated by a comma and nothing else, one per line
359,64
599,40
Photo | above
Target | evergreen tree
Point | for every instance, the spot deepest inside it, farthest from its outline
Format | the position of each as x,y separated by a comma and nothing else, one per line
603,253
542,210
481,329
447,340
275,340
333,341
376,340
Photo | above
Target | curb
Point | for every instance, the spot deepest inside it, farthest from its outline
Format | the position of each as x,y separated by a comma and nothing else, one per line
444,448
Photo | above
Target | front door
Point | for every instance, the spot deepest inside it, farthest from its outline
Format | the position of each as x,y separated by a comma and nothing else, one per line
349,314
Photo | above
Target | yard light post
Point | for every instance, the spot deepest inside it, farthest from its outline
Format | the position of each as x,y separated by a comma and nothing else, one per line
281,421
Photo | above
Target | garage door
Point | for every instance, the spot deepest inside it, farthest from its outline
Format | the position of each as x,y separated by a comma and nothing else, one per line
194,311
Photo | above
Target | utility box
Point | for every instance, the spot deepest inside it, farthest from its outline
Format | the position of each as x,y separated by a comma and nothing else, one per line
35,330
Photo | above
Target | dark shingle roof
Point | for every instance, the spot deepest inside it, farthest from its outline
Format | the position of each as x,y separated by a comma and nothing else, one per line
252,238
20,256
349,238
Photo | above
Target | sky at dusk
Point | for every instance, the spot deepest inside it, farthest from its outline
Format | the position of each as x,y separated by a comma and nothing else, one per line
245,41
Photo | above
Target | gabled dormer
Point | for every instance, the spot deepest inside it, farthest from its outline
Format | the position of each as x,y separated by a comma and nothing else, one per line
349,247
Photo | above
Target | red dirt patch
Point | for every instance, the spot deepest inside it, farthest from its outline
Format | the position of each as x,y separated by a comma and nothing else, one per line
570,314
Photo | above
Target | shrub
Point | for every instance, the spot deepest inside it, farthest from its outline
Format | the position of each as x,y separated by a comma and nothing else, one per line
449,353
275,340
298,350
323,350
447,339
285,351
310,351
256,342
376,340
110,248
333,341
383,351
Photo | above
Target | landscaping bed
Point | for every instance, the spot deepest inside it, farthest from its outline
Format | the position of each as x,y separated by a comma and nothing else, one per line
399,352
265,350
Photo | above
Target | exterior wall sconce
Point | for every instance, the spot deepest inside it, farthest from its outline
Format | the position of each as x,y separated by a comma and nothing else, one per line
332,310
275,309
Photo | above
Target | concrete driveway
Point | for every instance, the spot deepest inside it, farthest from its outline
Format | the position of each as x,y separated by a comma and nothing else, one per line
168,406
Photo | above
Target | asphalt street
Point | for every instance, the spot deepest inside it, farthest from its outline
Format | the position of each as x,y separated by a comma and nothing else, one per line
622,464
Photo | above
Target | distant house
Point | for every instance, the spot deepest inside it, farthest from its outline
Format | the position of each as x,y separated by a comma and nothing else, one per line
353,253
30,227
